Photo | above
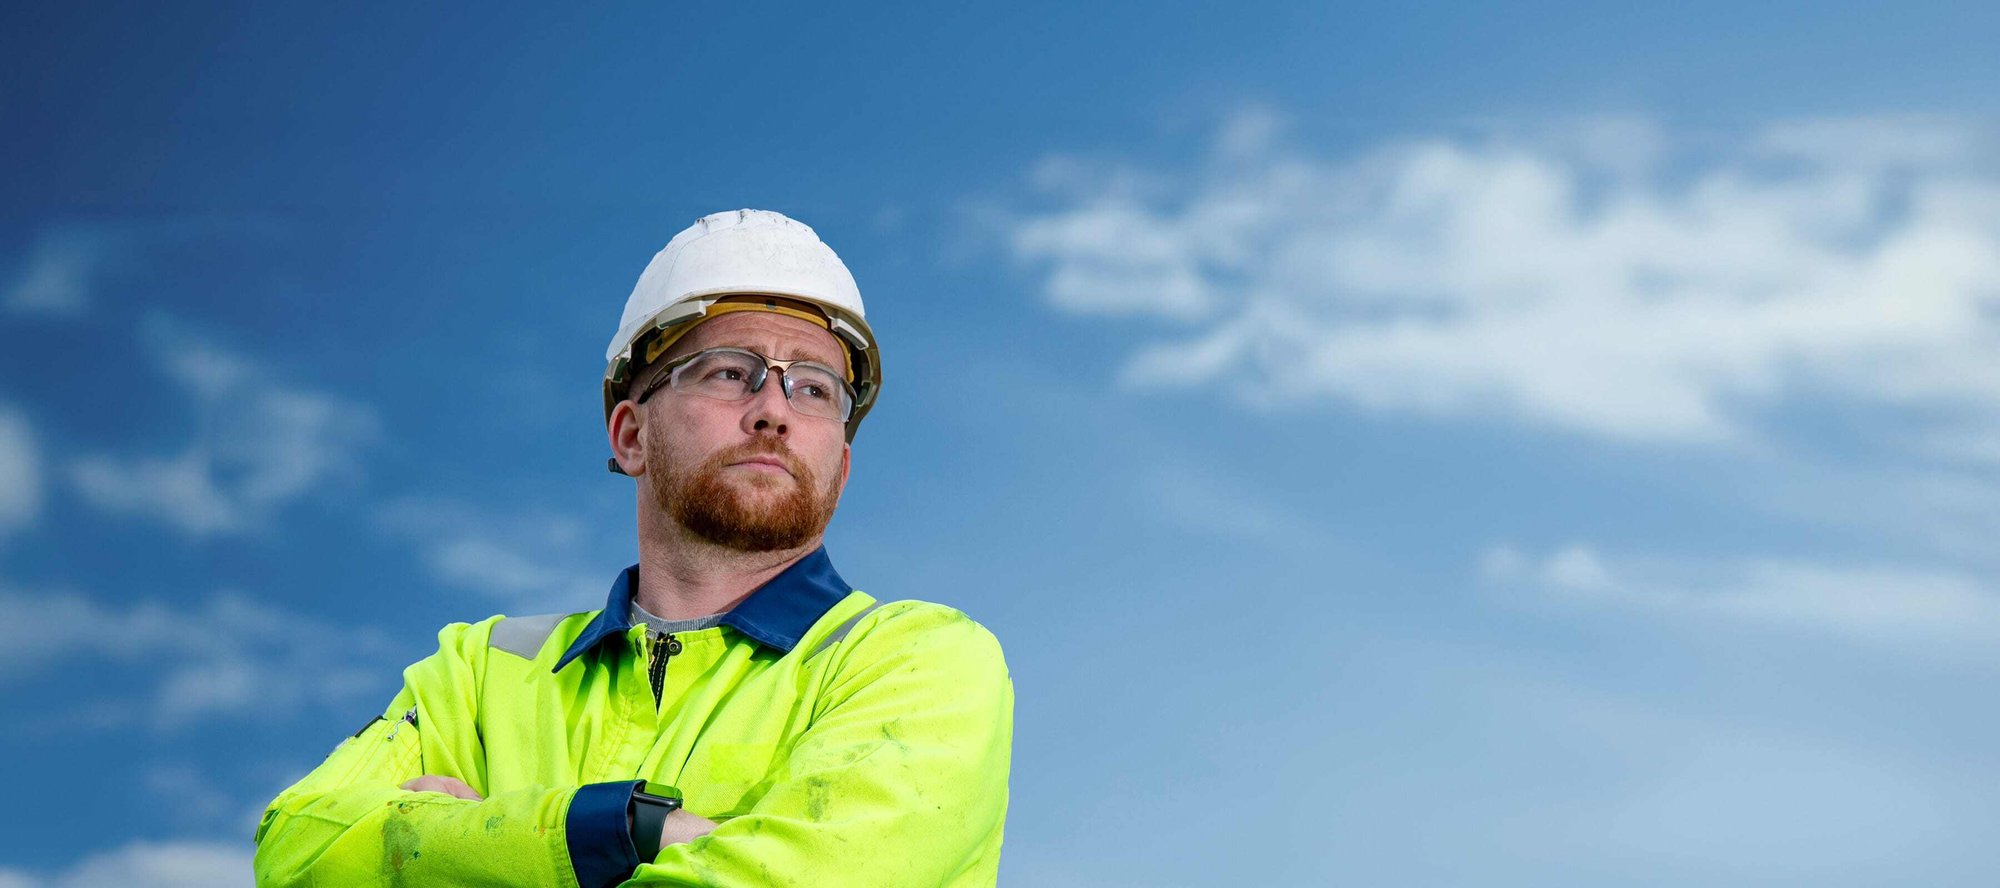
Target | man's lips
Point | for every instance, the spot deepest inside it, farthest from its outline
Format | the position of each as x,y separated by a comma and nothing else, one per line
764,463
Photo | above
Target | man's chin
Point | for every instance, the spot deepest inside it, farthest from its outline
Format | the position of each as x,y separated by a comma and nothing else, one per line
759,483
764,501
757,527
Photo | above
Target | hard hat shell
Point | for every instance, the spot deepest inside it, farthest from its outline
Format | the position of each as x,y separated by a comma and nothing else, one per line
744,253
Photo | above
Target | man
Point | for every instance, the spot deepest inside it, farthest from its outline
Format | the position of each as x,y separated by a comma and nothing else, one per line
735,714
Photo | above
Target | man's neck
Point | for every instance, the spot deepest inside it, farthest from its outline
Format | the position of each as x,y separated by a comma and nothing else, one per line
681,578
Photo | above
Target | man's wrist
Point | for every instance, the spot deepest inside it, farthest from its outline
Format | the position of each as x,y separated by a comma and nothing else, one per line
647,813
599,834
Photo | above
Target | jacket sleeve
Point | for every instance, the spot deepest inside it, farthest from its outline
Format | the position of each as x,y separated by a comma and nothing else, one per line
348,823
900,781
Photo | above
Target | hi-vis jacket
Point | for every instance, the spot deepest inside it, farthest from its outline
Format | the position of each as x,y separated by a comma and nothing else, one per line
835,740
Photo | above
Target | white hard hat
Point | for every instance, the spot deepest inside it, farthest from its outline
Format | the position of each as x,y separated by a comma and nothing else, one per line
718,265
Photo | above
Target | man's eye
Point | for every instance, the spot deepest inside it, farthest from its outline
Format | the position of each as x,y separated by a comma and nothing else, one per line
729,373
816,392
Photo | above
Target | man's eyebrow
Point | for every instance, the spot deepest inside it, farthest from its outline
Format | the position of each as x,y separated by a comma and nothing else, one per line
808,353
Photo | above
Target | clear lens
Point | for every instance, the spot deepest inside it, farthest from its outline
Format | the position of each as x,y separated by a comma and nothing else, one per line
816,391
729,374
725,375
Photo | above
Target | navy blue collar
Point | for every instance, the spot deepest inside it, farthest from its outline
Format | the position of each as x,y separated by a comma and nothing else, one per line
777,615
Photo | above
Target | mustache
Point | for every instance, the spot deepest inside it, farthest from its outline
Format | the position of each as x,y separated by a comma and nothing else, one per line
760,447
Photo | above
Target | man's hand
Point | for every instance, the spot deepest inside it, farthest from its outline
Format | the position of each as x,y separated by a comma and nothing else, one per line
682,826
451,786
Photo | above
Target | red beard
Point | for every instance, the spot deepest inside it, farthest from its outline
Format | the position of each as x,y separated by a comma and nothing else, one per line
719,510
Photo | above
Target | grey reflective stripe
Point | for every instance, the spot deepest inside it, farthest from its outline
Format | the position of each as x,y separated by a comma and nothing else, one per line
841,632
524,636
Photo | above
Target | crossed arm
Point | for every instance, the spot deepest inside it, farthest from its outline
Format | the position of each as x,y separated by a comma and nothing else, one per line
900,780
680,826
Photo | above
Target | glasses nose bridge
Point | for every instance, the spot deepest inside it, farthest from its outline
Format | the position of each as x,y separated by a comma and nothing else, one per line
765,366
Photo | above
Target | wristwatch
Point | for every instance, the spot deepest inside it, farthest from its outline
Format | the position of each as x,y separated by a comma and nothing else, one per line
648,810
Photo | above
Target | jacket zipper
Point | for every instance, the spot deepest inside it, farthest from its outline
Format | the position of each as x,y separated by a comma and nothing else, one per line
409,718
665,646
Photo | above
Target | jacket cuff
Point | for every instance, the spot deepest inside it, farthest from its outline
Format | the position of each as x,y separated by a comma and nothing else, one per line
600,837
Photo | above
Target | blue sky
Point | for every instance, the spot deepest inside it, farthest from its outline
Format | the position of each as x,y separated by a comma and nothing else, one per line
1528,446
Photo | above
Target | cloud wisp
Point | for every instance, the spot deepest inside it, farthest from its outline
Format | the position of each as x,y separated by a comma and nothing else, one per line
177,864
56,275
20,473
229,656
259,444
70,267
1899,605
1607,280
529,562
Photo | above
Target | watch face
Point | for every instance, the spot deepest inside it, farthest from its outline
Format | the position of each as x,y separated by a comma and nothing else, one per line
662,790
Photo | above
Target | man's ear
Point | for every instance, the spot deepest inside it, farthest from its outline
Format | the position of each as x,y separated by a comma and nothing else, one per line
628,445
846,464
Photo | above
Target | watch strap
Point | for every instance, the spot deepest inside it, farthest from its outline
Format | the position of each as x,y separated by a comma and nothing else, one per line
651,803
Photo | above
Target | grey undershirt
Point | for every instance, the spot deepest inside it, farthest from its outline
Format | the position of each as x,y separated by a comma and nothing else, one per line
641,615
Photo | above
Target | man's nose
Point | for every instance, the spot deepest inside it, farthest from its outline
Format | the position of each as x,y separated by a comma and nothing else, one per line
769,411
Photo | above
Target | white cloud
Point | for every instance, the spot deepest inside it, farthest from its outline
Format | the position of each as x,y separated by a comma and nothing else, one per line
1876,602
1250,133
20,472
56,275
44,626
1873,143
1575,567
528,561
1603,278
259,444
1119,263
228,656
69,266
181,864
180,490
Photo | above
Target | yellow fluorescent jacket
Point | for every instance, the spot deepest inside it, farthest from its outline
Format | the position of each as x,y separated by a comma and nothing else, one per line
835,740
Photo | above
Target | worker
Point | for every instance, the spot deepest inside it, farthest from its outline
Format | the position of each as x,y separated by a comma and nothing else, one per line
735,714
